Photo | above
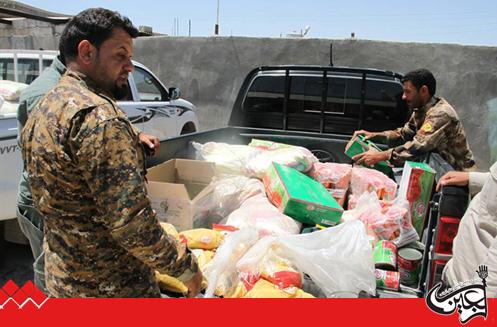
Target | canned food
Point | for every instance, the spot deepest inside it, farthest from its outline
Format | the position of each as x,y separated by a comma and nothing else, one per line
385,255
416,245
387,280
409,264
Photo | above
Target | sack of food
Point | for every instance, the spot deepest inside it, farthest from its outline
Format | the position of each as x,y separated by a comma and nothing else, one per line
259,214
335,177
227,193
296,157
391,222
369,180
229,159
201,238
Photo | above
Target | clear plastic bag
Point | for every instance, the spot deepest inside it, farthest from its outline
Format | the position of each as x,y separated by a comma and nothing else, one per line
264,261
332,175
221,272
388,222
229,159
338,259
259,214
369,180
296,157
227,193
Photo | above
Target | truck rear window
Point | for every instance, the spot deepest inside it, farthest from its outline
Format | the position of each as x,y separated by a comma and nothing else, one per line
383,107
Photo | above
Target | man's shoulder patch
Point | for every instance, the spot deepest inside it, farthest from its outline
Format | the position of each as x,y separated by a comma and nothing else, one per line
427,127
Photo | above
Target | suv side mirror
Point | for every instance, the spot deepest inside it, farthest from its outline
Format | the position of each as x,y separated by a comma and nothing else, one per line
174,93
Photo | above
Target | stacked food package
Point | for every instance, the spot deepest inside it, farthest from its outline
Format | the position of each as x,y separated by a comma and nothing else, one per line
263,195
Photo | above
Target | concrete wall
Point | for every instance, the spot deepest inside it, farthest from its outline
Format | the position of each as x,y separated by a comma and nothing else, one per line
209,71
30,35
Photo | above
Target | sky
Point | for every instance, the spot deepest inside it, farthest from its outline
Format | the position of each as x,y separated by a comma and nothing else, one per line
433,21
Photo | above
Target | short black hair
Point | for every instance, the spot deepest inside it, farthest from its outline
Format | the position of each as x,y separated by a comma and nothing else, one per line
420,77
94,25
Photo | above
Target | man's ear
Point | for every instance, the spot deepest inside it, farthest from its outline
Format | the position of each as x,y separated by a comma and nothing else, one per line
87,53
424,91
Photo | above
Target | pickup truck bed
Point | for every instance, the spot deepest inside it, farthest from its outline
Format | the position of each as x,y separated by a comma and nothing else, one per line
327,147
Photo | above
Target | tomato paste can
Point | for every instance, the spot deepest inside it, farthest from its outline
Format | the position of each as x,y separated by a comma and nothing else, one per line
387,280
409,265
385,255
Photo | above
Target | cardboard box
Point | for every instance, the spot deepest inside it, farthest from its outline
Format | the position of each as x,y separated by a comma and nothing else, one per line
175,186
416,186
359,145
300,197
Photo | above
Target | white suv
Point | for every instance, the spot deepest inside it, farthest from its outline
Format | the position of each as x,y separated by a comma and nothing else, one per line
150,106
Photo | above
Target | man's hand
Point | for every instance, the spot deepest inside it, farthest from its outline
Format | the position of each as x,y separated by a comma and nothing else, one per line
367,135
457,178
371,157
151,142
194,284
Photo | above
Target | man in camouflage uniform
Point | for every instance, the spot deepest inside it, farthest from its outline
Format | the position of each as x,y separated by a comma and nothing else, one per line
86,168
433,127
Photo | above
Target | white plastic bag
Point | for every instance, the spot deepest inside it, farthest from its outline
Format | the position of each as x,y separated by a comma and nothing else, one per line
11,91
338,259
264,260
227,194
229,159
370,180
388,221
296,157
259,214
221,272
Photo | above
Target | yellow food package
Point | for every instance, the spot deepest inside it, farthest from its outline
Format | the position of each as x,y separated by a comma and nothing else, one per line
201,238
169,229
203,257
265,289
171,284
239,292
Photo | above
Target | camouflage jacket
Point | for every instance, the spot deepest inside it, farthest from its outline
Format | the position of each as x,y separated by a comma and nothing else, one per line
87,175
432,128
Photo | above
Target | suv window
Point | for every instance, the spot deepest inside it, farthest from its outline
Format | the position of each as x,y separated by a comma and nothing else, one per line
148,87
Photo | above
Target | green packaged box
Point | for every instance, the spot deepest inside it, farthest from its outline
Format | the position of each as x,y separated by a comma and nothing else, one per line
359,145
300,197
416,187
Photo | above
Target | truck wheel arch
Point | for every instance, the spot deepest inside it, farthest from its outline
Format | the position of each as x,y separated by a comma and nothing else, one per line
189,127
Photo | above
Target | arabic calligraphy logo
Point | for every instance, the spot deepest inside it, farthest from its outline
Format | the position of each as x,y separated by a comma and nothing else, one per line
468,298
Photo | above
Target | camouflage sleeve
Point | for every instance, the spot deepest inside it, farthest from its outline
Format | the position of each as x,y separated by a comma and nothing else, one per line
435,127
109,158
401,134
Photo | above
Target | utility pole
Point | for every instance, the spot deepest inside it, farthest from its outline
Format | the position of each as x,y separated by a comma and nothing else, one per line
216,28
189,27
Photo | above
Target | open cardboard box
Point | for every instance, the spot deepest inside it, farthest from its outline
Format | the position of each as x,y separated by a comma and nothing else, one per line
174,187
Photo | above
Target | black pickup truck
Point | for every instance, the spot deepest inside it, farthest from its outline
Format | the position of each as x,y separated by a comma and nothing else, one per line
319,107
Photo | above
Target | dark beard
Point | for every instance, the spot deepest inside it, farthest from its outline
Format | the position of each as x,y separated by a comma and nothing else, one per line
121,92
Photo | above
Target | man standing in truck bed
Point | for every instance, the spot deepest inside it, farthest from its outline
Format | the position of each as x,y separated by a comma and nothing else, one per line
86,171
433,127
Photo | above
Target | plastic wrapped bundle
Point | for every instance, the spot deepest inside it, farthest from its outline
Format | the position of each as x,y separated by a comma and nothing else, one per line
296,157
257,213
369,180
332,175
391,222
338,259
335,177
229,159
228,193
